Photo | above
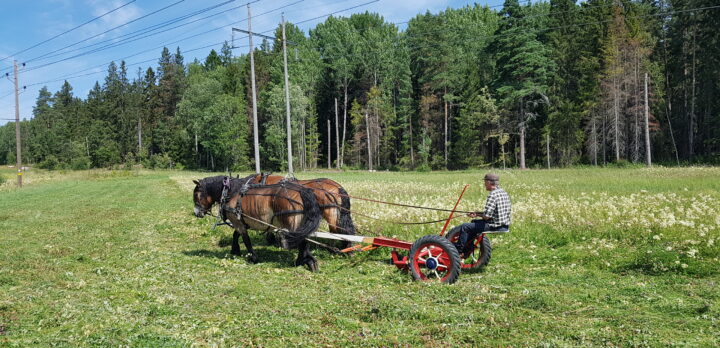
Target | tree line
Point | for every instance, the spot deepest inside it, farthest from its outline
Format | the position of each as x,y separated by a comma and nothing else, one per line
548,83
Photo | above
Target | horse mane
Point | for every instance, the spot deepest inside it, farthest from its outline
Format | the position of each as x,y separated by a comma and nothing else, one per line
213,185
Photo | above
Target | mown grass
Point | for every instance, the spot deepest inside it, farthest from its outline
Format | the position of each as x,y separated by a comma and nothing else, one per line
596,257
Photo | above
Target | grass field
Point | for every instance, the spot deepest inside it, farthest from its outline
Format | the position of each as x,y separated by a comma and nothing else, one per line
596,257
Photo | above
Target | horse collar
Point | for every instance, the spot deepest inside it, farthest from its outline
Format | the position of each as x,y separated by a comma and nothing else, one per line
225,190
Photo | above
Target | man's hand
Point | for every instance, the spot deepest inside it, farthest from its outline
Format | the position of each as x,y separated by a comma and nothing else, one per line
475,214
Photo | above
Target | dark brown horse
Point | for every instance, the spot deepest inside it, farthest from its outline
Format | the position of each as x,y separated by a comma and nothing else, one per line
332,198
286,207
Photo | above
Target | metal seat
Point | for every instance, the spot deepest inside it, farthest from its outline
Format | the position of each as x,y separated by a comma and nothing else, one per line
500,230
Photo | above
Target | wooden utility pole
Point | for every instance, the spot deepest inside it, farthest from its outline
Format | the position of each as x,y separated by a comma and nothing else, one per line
337,136
18,143
648,160
287,101
254,97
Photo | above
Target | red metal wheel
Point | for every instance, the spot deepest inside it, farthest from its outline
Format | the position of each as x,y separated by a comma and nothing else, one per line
434,258
481,249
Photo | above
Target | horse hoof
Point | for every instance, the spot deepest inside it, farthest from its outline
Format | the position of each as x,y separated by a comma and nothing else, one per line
252,258
313,266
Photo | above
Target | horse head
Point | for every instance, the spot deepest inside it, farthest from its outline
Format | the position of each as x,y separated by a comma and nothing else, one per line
202,199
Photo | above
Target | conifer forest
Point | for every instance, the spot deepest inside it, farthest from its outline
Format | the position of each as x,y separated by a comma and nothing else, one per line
554,83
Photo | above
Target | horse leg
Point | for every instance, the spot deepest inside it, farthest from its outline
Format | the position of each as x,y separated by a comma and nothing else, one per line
248,246
235,245
305,257
270,239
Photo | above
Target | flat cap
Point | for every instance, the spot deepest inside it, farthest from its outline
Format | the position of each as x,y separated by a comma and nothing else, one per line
491,177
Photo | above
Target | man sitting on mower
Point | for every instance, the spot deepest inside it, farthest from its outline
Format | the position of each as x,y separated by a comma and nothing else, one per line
496,216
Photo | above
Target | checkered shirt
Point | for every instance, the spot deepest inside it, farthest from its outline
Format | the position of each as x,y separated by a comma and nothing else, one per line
498,207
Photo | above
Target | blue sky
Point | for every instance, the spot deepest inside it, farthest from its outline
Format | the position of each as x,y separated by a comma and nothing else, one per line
27,23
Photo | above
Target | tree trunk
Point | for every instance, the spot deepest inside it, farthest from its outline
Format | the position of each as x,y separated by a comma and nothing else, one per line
648,160
595,143
502,154
691,123
604,137
342,146
616,107
369,148
668,109
139,136
522,136
329,142
412,151
445,144
522,146
303,147
547,149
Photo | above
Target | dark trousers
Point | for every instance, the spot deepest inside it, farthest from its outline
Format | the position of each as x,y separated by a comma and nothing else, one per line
470,230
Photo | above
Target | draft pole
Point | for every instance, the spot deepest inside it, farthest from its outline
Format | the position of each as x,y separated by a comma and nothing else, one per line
287,100
254,97
18,143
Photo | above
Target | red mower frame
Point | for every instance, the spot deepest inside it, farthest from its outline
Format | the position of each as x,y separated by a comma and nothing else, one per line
432,257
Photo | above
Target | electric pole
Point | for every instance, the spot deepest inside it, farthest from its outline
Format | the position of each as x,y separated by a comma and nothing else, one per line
648,160
287,100
18,144
254,97
337,136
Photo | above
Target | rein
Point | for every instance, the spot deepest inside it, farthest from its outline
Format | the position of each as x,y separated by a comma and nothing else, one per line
391,203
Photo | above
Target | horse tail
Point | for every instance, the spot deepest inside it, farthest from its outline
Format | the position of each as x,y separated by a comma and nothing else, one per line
346,222
311,218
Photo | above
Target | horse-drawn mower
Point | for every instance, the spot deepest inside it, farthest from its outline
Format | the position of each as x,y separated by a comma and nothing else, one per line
430,258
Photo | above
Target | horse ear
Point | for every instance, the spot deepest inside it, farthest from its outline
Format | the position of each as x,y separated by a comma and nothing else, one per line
196,182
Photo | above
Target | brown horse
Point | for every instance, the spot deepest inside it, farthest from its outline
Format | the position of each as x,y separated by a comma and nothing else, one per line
331,197
286,207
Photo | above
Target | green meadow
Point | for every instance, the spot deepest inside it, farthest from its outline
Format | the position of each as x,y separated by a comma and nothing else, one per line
595,257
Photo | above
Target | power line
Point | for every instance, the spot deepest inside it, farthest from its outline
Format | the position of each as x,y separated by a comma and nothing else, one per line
117,44
125,38
332,13
121,43
111,29
164,45
69,30
171,43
